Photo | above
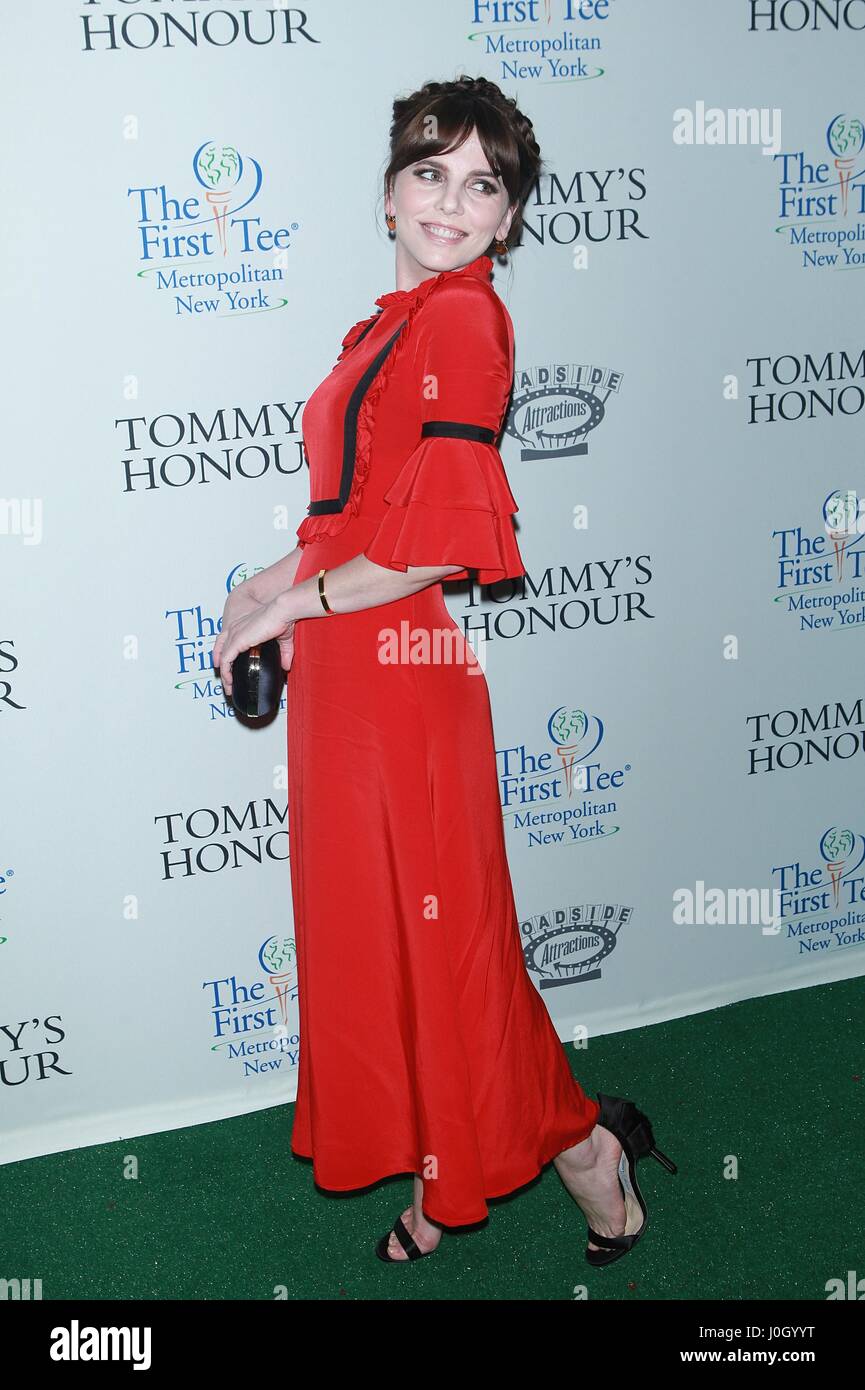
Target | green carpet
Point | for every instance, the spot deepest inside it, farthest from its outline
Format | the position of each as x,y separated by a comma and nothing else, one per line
223,1211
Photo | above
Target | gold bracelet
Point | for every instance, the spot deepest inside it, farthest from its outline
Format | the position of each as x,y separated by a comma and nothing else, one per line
326,605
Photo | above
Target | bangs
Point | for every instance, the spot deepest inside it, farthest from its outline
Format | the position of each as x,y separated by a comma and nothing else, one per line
454,119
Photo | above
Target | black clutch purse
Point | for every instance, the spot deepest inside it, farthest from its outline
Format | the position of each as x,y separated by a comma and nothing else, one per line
256,680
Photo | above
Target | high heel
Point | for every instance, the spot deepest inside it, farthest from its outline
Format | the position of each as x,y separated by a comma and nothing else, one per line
634,1132
408,1243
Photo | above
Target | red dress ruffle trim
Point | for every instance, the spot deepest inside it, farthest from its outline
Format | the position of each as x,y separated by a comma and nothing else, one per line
314,528
450,504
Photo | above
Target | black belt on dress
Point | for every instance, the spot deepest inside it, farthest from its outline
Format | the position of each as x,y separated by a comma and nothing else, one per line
455,429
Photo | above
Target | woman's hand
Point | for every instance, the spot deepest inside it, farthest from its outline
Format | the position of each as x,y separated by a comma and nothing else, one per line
251,598
250,626
240,603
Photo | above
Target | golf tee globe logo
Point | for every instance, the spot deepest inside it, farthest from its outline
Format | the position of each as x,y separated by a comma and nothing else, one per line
845,138
837,847
278,960
218,168
568,729
844,518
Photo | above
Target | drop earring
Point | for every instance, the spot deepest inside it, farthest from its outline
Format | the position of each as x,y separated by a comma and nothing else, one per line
391,221
501,248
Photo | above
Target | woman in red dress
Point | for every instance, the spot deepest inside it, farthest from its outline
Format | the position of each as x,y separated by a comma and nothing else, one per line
424,1046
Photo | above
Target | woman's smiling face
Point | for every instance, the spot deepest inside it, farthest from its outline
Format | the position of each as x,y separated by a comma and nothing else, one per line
448,209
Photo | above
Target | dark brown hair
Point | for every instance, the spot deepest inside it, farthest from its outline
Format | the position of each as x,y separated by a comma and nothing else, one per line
505,134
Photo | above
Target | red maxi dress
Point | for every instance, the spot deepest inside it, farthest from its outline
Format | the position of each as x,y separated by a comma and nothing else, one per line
424,1046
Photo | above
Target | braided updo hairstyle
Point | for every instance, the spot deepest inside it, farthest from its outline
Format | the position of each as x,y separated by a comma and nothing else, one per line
505,134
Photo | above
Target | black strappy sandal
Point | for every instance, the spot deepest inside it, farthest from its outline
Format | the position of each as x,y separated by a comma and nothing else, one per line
407,1242
634,1132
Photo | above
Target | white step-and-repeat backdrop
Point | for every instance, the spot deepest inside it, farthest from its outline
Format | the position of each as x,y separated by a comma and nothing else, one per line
191,222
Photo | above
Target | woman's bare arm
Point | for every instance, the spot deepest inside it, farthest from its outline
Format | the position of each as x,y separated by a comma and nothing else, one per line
272,581
356,584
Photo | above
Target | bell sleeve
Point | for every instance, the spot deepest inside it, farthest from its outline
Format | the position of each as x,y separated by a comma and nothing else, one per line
450,503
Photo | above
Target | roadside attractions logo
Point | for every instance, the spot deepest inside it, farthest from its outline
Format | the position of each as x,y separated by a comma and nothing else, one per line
557,406
565,796
822,905
252,1021
567,945
209,252
822,202
820,571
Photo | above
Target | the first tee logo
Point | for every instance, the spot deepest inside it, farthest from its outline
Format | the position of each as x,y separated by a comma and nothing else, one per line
208,246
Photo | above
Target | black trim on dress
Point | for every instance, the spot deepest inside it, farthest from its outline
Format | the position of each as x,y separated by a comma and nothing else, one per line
455,429
329,505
